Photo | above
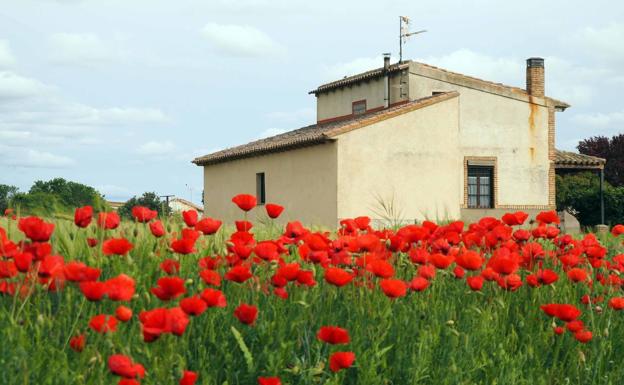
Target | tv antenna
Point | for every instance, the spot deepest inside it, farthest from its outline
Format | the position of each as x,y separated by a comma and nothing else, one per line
404,33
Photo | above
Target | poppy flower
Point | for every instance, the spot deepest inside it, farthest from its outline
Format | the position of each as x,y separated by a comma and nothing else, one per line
245,202
337,276
548,217
170,266
427,271
547,276
168,288
183,246
193,305
243,225
93,290
575,326
210,277
128,381
160,321
77,343
23,261
306,277
515,219
208,226
123,366
341,360
273,210
83,216
214,298
475,283
143,214
381,268
123,313
78,272
441,261
116,246
36,229
120,288
393,288
269,381
583,336
617,230
577,275
564,312
188,378
616,303
157,229
333,335
469,260
92,242
246,314
108,221
190,217
419,283
103,323
239,273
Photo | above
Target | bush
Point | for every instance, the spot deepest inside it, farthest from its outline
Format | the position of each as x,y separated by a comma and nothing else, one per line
148,199
580,194
6,196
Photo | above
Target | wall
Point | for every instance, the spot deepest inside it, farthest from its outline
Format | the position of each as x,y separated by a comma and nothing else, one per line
338,103
506,127
301,180
410,159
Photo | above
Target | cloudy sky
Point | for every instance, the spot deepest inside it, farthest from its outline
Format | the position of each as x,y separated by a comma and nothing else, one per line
121,94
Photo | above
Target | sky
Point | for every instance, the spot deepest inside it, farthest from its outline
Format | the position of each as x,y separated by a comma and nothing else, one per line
122,95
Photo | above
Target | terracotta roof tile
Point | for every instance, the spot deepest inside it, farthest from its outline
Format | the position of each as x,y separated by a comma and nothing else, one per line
359,77
567,159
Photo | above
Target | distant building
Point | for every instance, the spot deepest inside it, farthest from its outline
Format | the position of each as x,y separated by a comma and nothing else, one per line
431,143
115,205
178,205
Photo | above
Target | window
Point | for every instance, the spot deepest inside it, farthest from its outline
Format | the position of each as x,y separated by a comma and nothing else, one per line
260,188
359,107
480,187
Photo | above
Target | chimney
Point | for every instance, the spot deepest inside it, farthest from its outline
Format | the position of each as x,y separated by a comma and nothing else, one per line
386,67
535,76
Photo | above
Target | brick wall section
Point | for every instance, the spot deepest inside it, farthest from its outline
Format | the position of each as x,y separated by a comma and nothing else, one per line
535,81
551,158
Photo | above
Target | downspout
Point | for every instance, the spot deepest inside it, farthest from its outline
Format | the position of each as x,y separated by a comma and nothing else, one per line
386,80
602,212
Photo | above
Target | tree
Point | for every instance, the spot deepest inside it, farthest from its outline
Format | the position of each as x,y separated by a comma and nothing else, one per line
6,195
610,149
148,199
70,194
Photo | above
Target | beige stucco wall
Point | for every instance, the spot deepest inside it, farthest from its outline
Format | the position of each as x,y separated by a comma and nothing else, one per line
338,103
301,180
411,160
508,128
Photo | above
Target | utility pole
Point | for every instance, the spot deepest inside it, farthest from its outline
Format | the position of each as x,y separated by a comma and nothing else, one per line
166,202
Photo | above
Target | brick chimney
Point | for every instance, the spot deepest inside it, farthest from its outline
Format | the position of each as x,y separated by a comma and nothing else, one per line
535,76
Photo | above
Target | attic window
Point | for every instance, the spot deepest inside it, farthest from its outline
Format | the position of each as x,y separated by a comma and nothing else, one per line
358,107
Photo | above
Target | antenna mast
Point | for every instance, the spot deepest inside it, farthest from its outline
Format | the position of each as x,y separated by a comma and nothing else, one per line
404,33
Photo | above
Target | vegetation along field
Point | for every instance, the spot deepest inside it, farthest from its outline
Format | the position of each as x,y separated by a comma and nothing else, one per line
97,300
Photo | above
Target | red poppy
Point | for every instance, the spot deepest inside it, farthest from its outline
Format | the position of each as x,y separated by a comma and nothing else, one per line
441,261
381,268
475,283
123,313
289,271
419,283
269,381
616,303
120,288
108,221
564,312
333,335
116,246
214,298
93,290
515,219
190,217
160,321
547,217
169,288
123,366
577,275
23,261
183,246
243,225
547,276
193,305
208,226
157,229
79,272
170,266
583,336
337,276
393,288
103,323
77,343
36,229
427,271
188,378
617,230
558,330
143,214
306,277
245,202
575,326
92,242
469,260
239,273
246,314
83,216
341,360
128,381
273,210
210,277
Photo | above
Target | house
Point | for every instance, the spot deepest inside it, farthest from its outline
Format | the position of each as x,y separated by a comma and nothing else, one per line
178,205
407,141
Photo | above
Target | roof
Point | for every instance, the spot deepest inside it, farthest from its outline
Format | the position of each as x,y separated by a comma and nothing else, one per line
316,133
360,77
572,160
187,203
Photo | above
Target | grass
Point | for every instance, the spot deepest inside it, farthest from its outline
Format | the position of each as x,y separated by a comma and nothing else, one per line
447,334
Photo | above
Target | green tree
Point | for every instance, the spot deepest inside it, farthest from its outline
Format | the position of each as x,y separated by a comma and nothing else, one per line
6,195
148,199
70,194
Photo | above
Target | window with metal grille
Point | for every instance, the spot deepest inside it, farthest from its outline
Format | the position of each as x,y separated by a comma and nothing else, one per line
480,187
358,107
260,188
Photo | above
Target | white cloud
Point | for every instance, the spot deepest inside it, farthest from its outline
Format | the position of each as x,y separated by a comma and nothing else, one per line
14,86
240,40
154,148
6,57
307,114
112,191
32,158
600,120
604,43
339,70
86,49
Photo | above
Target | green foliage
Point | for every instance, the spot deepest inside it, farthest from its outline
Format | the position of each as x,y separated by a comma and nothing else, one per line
148,199
6,195
580,194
